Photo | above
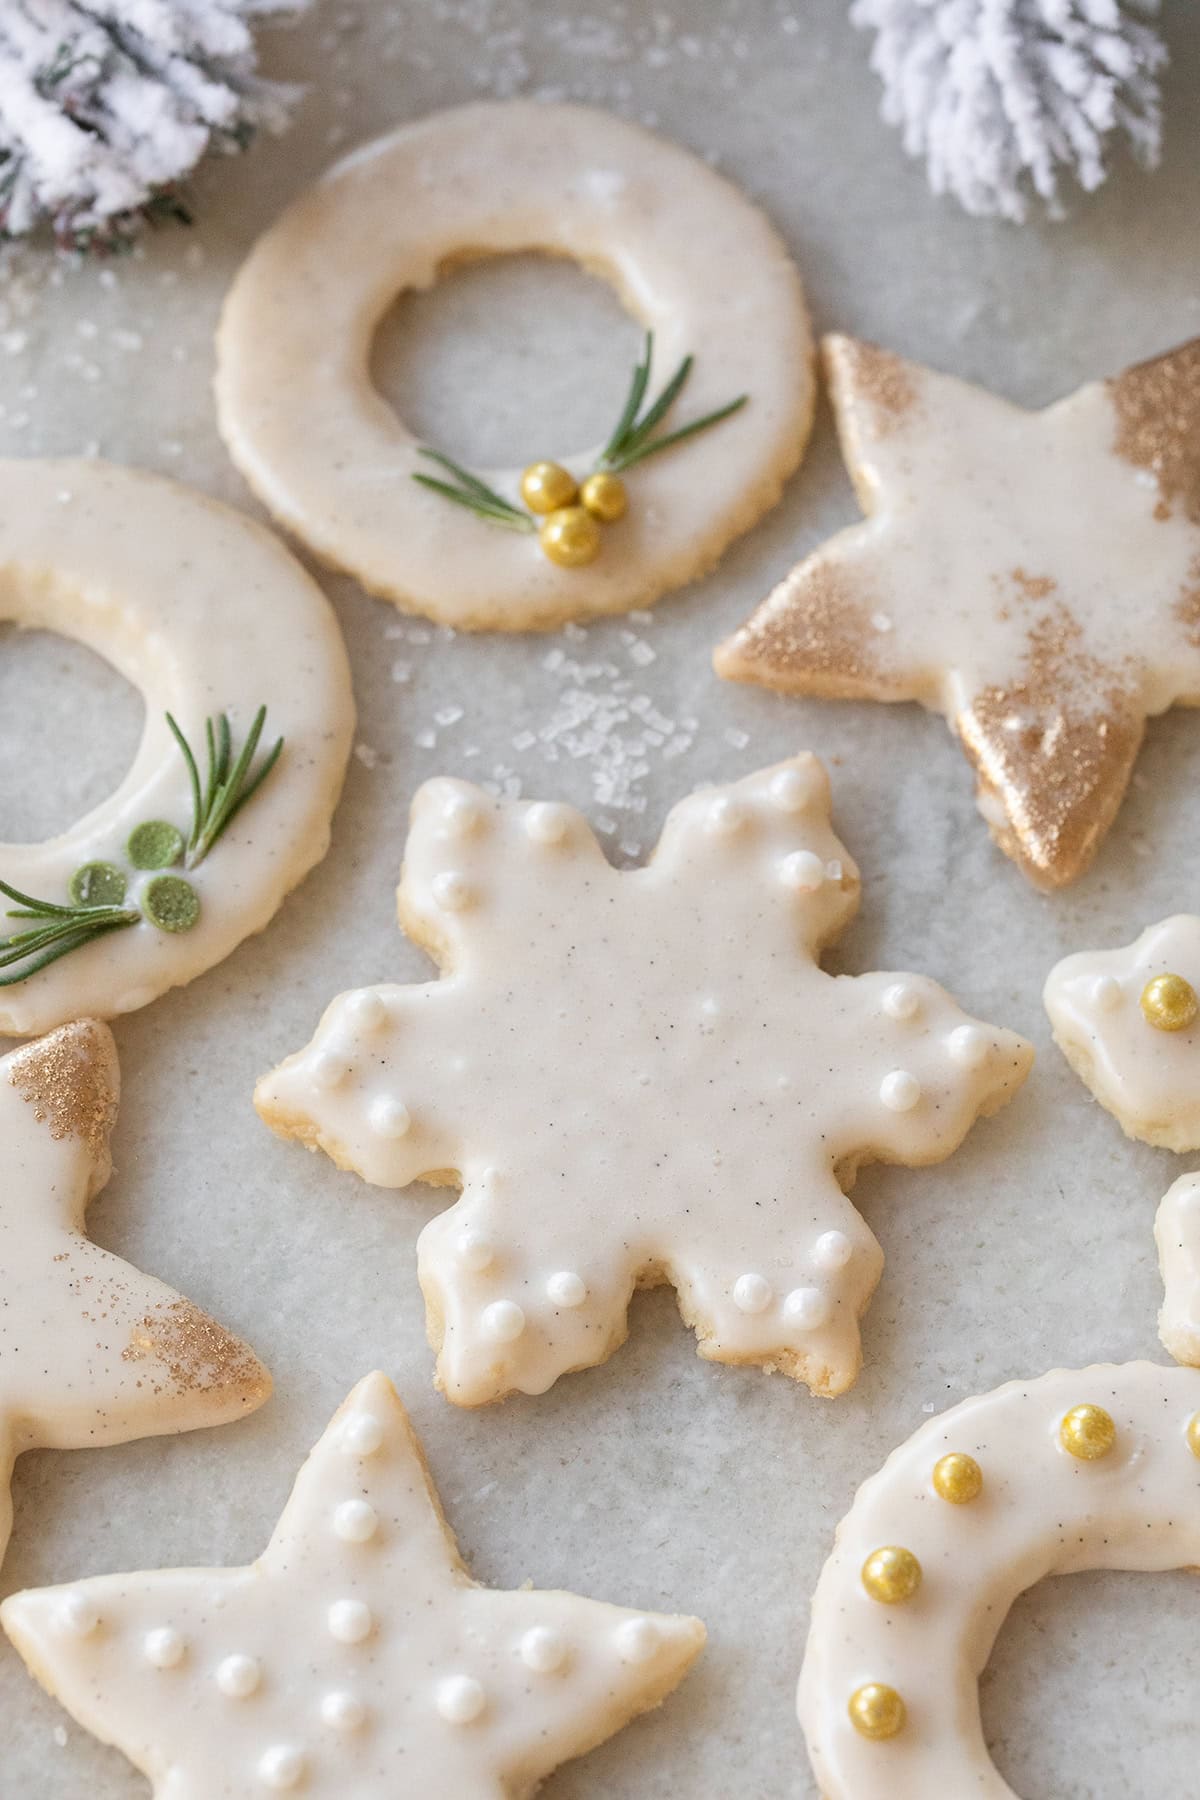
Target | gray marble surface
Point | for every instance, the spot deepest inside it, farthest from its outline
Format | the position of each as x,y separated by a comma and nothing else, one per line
657,1480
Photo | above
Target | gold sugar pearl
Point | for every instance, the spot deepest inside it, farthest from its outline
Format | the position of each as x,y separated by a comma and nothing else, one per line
605,497
958,1478
1193,1434
1169,1003
891,1574
877,1712
1087,1432
545,486
570,537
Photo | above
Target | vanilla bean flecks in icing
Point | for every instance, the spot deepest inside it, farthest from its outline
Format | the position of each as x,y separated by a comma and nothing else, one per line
91,1350
334,463
639,1077
206,613
365,1664
1033,576
1094,1468
1177,1235
1128,1022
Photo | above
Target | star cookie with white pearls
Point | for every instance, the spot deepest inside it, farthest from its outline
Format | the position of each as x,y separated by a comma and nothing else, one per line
638,1078
1035,576
91,1350
1128,1022
356,1656
1177,1235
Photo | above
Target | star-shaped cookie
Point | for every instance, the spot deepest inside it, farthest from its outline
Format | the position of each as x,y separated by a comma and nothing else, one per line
637,1078
91,1350
356,1657
1035,576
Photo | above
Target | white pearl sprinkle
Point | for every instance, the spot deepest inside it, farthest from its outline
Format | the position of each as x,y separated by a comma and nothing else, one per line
899,1091
238,1677
77,1615
566,1288
367,1010
350,1621
461,815
806,1307
802,871
345,1712
752,1293
164,1648
1107,993
282,1767
452,890
901,1001
968,1046
503,1321
832,1250
543,1650
389,1117
355,1521
474,1252
327,1069
362,1435
790,790
725,815
638,1640
460,1699
546,823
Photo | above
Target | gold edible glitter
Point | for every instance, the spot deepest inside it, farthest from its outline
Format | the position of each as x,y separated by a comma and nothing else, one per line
813,636
1158,423
878,376
70,1079
196,1353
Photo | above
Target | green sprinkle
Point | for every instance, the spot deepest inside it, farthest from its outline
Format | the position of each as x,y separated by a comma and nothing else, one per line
171,903
97,884
156,844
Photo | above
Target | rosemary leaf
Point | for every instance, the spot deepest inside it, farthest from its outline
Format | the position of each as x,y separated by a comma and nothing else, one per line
472,483
193,778
656,413
73,941
676,437
507,516
633,400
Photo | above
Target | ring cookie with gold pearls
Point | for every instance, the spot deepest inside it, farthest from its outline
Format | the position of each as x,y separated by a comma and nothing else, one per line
610,529
1128,1022
1079,1469
639,1077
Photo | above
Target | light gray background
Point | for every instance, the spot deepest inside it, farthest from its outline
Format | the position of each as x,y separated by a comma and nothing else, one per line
657,1480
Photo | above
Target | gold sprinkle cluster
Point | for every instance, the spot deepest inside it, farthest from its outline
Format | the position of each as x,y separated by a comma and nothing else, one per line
70,1079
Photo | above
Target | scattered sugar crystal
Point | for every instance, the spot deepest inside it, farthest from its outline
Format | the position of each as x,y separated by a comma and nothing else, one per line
366,755
447,715
425,740
401,671
736,739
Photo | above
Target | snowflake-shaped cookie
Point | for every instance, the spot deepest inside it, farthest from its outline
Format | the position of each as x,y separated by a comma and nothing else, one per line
91,1350
1033,576
637,1078
1140,1059
356,1657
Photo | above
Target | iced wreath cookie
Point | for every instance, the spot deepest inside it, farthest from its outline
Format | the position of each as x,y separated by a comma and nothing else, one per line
1034,576
91,1350
1128,1022
356,1657
1079,1469
639,1078
248,722
692,258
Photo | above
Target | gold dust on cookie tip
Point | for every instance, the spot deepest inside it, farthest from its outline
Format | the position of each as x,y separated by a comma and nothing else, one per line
68,1078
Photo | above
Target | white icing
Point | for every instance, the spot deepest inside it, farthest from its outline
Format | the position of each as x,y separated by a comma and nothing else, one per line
579,989
638,1640
203,611
1177,1234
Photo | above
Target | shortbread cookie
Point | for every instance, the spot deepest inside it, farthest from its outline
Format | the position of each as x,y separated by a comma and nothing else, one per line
1128,1022
689,255
1079,1469
213,620
1177,1234
639,1078
356,1657
1033,576
91,1350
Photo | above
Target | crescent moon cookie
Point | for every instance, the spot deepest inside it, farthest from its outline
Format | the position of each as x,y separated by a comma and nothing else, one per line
333,462
1033,576
638,1078
1177,1235
224,634
91,1350
356,1656
1079,1469
1128,1022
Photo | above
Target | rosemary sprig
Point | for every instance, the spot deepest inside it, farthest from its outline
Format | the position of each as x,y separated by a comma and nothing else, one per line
474,494
228,784
64,928
632,441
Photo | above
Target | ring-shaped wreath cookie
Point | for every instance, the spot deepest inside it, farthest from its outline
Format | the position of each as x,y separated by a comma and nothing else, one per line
690,256
1093,1468
222,631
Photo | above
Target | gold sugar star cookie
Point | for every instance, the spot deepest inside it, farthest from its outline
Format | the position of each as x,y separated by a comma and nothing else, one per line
1035,576
91,1350
356,1657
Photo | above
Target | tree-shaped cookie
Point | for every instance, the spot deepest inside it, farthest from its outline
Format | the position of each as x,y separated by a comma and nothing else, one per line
356,1660
636,1078
91,1350
1033,576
